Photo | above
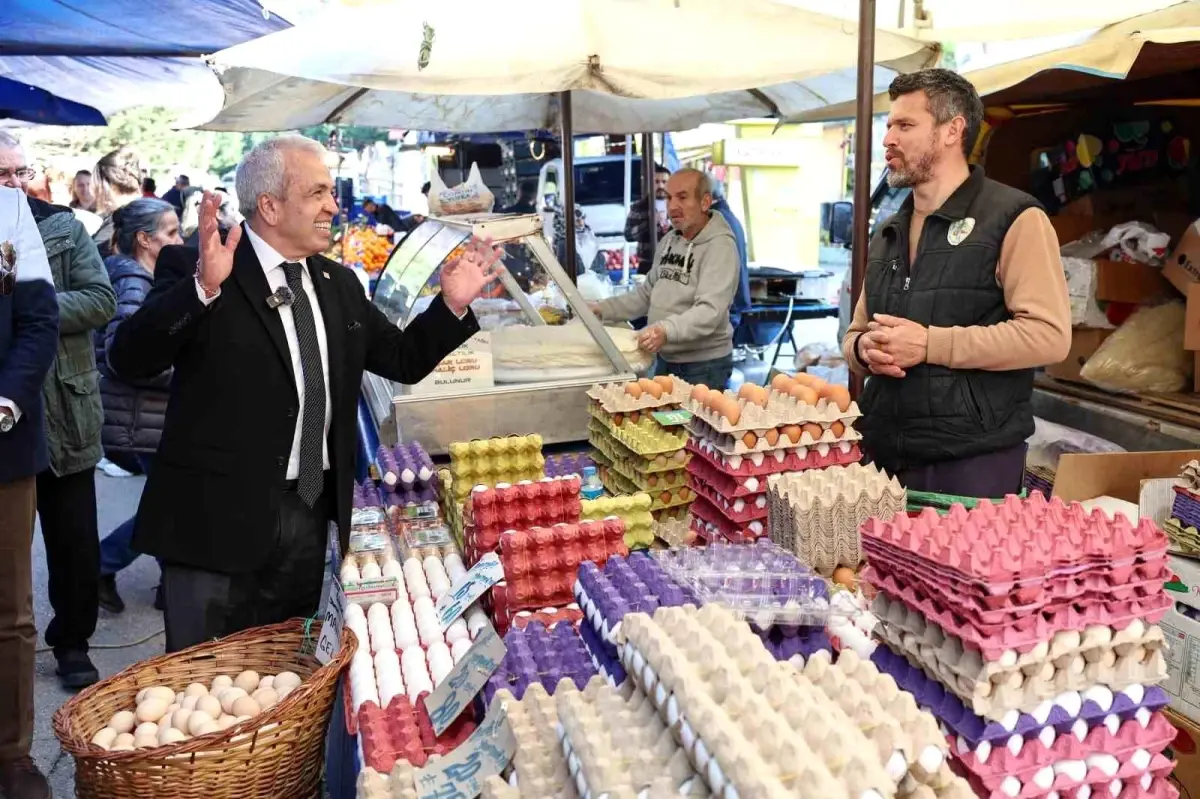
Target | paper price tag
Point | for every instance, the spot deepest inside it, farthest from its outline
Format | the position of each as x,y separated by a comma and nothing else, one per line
465,680
462,773
672,418
482,576
332,621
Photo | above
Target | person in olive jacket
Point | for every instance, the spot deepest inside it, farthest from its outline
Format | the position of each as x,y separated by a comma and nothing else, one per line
66,492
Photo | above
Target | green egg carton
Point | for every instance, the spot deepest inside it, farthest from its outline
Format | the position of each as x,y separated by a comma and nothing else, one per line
599,457
650,483
618,485
602,439
634,510
919,500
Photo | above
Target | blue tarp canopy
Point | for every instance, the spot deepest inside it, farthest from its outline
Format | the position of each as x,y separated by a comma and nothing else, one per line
115,54
130,27
30,104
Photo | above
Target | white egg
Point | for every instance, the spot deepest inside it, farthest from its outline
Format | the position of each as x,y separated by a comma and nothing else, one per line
145,741
353,612
105,737
457,631
229,696
267,682
196,720
226,721
430,632
454,566
195,689
393,570
179,719
460,648
122,743
246,706
122,721
221,682
287,681
151,709
440,662
266,698
247,681
189,702
207,728
434,567
371,571
376,613
382,639
439,586
146,728
171,736
349,572
476,620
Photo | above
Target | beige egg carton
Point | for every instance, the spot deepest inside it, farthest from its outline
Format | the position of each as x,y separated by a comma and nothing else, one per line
1070,661
399,784
816,514
748,723
539,767
1189,476
617,746
614,399
944,785
728,444
887,716
675,532
780,410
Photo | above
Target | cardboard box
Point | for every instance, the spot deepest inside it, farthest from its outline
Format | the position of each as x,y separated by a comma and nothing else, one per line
1185,751
1115,474
1181,626
1196,372
1191,319
1084,342
1130,203
1118,281
1071,228
1183,265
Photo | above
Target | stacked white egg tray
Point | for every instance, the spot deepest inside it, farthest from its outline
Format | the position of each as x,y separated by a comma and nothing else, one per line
404,649
399,784
816,514
753,726
539,768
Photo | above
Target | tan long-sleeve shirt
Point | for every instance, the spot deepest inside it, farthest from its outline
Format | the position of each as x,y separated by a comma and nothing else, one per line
1030,272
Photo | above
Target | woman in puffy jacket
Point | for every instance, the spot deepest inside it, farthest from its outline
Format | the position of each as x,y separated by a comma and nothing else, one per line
133,409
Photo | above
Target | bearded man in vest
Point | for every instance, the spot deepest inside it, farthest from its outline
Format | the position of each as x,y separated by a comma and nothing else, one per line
964,298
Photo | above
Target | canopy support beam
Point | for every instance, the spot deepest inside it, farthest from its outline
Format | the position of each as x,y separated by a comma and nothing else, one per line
862,161
567,122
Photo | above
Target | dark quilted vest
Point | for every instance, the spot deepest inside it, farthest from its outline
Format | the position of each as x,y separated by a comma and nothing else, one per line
934,413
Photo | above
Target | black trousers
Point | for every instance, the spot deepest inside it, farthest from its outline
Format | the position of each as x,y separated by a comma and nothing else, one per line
990,476
67,507
203,605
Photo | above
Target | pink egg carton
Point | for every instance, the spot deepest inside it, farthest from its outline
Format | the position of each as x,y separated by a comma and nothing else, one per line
739,510
1018,541
780,410
703,470
540,564
402,731
490,511
1025,633
711,524
1127,782
548,617
760,464
1024,758
1137,581
771,438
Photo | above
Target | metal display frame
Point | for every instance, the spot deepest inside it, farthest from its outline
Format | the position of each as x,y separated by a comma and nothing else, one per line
555,408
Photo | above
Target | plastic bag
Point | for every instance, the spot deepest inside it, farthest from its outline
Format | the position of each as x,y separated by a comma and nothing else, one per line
592,288
1145,354
470,197
1081,286
1051,441
586,247
1137,242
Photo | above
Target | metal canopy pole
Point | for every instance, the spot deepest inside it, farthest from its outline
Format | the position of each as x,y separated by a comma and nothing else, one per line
648,194
862,160
567,121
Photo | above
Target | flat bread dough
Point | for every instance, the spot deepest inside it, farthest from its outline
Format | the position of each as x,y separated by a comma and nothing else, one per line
569,346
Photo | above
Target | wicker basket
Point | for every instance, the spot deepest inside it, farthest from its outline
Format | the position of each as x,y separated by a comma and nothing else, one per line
276,755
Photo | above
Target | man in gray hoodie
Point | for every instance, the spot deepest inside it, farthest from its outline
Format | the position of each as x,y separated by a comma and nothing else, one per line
689,290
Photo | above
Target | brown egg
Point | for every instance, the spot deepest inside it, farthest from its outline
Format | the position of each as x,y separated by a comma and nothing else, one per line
792,432
844,575
670,477
813,430
700,393
838,429
618,419
731,411
772,437
633,390
761,396
782,383
838,395
650,387
666,382
685,494
652,480
665,497
749,439
748,391
635,417
803,378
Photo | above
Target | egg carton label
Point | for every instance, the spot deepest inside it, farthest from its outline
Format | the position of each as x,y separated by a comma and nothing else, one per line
463,772
455,693
482,576
368,592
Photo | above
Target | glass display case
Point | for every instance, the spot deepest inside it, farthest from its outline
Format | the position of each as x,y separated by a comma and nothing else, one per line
538,351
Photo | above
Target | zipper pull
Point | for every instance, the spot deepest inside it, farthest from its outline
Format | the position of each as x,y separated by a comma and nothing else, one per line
895,264
907,280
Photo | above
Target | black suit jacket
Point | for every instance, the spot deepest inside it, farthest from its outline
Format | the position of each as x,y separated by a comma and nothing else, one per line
210,501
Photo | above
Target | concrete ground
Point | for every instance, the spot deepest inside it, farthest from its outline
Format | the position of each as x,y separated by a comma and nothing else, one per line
119,641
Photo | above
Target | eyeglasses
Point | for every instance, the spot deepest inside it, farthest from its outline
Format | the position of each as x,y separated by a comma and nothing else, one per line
20,173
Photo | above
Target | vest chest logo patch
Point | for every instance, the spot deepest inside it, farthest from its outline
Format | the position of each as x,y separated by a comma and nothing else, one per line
959,231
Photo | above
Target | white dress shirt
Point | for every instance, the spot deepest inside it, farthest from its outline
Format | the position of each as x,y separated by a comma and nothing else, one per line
272,264
20,229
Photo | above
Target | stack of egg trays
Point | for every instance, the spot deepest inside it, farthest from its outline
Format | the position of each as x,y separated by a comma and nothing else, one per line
540,655
508,459
539,767
785,602
636,584
1183,528
634,510
1006,579
816,514
540,564
403,732
490,511
404,466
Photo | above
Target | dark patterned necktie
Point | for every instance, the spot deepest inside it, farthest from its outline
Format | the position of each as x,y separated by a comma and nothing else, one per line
311,480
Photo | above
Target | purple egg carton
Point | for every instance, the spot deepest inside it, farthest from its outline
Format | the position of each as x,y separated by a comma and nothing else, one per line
1186,508
405,497
405,466
567,463
633,584
536,654
784,644
604,655
974,729
367,495
765,584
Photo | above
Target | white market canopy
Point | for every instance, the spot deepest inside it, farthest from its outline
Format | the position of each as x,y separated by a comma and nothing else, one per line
1106,56
632,65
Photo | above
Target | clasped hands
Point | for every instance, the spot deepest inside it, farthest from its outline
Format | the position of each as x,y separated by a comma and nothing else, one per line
892,344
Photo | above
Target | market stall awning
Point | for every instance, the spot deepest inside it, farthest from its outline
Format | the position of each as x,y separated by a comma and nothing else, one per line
1157,44
25,103
632,65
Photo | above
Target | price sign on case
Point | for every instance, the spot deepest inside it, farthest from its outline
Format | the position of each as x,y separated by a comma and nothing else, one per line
462,773
332,620
482,576
465,680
